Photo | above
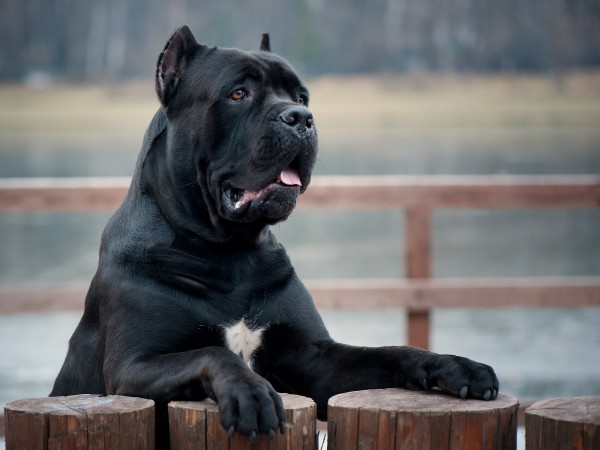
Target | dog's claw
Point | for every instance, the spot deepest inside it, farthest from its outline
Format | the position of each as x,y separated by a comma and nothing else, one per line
231,431
495,394
424,383
253,437
282,426
487,395
271,434
463,392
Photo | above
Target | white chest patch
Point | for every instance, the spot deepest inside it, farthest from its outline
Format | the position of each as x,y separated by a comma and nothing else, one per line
243,341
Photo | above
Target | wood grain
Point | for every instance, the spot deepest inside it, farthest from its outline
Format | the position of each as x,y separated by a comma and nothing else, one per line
197,425
563,424
80,422
394,419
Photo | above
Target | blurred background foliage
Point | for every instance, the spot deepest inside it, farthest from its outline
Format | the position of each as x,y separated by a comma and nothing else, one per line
101,40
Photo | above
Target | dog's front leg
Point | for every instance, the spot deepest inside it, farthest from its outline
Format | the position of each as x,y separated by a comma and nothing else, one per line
327,368
247,402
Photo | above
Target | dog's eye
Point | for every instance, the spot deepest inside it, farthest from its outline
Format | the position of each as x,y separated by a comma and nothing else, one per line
302,100
238,95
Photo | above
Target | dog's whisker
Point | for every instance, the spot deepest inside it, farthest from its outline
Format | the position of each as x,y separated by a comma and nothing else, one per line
321,163
186,185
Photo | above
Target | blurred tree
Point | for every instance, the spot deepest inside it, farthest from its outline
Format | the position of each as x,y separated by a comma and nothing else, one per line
112,39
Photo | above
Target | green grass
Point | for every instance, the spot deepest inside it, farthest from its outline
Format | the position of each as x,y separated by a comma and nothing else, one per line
456,101
76,108
337,102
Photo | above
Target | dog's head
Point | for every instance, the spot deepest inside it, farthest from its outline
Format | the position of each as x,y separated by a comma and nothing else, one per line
239,126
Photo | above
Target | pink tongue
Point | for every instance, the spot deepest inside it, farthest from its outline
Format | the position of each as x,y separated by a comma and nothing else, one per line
290,177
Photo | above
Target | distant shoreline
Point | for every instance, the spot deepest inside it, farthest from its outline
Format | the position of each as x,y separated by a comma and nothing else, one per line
412,100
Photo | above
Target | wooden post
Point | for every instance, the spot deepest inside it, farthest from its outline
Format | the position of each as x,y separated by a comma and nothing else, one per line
396,419
80,422
197,425
417,241
563,423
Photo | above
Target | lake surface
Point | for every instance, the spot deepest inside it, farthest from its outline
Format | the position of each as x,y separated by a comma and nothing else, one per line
59,247
537,353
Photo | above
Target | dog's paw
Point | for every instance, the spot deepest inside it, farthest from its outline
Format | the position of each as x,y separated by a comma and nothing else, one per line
250,406
461,377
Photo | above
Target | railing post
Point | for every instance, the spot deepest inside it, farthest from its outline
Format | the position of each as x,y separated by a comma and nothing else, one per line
82,422
417,256
572,423
198,425
390,419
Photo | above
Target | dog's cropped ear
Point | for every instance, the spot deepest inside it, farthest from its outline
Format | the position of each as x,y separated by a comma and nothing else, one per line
265,43
173,61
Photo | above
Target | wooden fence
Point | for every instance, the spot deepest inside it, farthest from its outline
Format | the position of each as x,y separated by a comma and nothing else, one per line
418,196
376,419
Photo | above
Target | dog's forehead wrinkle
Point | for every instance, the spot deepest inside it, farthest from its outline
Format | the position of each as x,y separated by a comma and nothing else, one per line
217,76
276,70
231,60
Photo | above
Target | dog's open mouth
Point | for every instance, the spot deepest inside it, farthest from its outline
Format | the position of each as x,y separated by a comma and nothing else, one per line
288,179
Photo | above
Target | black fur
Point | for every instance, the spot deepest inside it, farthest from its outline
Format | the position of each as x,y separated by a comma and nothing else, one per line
189,251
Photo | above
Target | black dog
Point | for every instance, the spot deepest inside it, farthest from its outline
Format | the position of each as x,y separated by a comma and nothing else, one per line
193,296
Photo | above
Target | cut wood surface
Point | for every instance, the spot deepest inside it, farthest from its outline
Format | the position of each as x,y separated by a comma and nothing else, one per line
80,422
563,424
197,425
386,419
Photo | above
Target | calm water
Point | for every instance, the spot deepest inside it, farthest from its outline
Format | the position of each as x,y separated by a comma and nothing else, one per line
536,352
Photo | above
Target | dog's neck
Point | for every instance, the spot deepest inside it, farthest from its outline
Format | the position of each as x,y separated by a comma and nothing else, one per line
191,213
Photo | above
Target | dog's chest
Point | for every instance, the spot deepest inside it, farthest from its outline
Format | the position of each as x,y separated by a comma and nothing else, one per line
243,340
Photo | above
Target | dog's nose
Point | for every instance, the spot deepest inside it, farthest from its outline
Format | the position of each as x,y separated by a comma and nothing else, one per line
298,117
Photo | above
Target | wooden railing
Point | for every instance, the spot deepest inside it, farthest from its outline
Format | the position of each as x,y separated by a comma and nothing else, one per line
418,196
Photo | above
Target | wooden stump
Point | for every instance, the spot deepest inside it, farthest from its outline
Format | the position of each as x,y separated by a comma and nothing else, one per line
80,422
563,423
386,419
196,425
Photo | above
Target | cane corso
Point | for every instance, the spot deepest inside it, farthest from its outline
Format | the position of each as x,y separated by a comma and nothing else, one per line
194,297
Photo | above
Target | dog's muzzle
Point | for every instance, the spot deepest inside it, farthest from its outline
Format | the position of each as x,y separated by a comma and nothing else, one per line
300,119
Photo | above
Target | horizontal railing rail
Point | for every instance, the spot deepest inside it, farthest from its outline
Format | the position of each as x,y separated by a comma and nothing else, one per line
415,295
340,192
418,196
